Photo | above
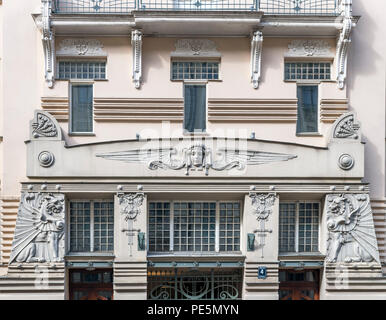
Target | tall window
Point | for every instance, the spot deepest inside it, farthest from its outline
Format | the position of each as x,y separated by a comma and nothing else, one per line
195,94
194,226
307,121
91,226
194,108
299,227
81,108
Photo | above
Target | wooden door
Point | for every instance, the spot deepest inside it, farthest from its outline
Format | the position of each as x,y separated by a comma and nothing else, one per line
299,285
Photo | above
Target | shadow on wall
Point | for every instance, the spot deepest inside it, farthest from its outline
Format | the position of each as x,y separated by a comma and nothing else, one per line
362,47
360,83
152,50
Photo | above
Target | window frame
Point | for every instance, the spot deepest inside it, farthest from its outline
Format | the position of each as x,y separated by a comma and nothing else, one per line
198,83
312,60
296,252
82,60
309,83
216,60
217,230
68,229
73,83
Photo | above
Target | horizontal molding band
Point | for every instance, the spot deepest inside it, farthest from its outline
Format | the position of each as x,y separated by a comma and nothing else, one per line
219,110
332,109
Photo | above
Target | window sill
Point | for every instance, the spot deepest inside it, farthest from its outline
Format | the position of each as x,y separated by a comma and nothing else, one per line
75,80
90,254
309,81
199,134
86,134
196,80
302,255
309,134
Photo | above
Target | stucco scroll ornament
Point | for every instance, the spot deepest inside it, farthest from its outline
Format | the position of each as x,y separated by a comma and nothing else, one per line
262,207
350,225
39,232
136,42
197,157
43,126
346,127
256,51
48,40
344,42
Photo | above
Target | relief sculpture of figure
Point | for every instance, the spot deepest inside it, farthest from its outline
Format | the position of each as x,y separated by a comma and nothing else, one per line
39,233
351,234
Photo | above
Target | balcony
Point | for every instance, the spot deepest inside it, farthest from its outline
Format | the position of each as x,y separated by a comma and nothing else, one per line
268,7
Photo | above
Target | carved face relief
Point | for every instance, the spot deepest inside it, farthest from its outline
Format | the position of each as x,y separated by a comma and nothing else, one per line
197,155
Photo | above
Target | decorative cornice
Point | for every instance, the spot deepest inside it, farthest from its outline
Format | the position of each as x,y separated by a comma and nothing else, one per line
309,48
195,48
81,48
256,52
48,40
136,42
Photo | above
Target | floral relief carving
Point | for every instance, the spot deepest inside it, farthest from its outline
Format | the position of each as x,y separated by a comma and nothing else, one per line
309,48
43,126
80,47
130,204
346,127
195,47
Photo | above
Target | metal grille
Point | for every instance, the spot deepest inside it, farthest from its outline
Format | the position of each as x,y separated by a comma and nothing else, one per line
194,226
80,223
81,70
229,226
103,226
94,6
285,7
159,226
307,71
308,227
195,70
287,227
300,7
299,227
195,285
91,226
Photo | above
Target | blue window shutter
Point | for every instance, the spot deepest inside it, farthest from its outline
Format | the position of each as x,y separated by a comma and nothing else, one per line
81,108
195,108
307,109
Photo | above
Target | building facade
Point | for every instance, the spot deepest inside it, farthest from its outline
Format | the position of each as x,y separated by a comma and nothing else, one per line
192,150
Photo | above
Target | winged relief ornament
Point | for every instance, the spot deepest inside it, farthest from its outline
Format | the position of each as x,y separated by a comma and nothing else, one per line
351,233
197,157
39,232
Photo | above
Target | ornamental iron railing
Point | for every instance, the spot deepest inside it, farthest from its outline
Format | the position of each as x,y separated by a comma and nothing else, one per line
194,285
270,7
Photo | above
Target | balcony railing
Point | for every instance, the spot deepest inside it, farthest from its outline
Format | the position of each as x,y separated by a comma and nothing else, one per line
273,7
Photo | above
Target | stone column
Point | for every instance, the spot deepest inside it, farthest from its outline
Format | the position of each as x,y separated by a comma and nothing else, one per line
130,264
260,243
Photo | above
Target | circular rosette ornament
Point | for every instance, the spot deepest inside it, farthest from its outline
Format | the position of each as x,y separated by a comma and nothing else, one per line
46,159
346,162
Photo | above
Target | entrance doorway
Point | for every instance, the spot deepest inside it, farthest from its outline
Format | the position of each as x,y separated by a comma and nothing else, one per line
91,285
299,285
